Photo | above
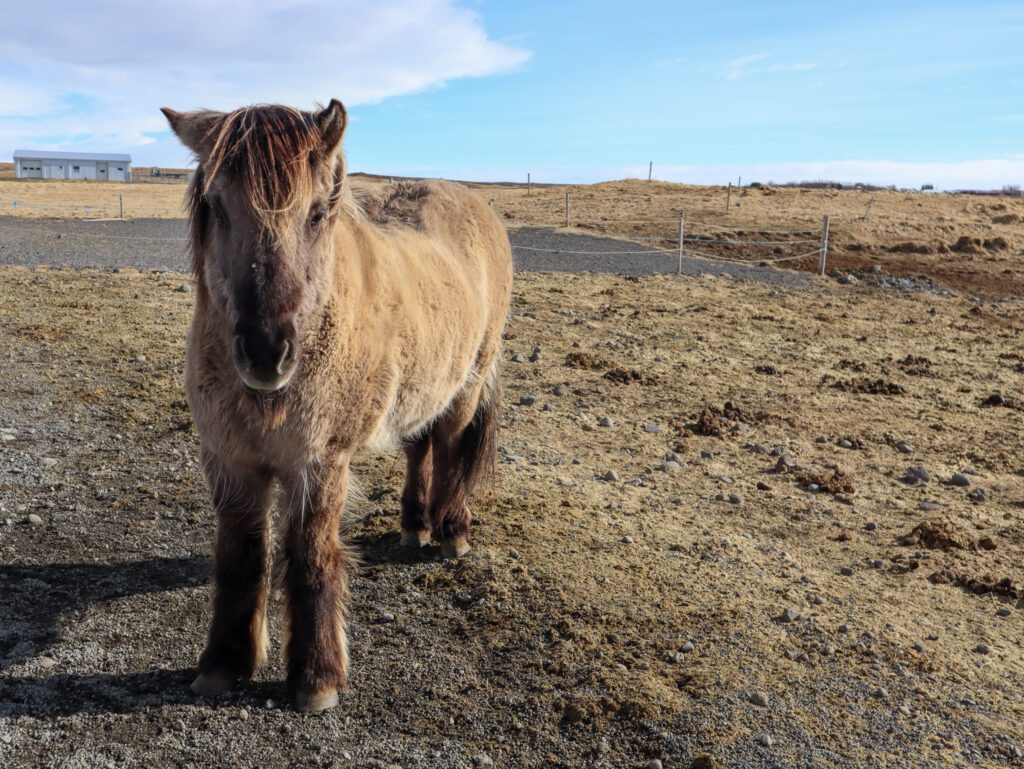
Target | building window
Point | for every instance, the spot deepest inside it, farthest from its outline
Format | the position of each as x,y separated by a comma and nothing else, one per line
74,168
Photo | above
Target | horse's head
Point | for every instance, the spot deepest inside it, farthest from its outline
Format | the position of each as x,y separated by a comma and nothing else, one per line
269,186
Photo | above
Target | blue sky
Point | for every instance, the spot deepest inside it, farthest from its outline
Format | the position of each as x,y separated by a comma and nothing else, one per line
905,93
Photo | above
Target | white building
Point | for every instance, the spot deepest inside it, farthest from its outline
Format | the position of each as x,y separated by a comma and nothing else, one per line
40,164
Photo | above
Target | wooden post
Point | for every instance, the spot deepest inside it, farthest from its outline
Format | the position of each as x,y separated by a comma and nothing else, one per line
650,171
739,181
120,203
823,253
728,197
567,208
679,271
529,184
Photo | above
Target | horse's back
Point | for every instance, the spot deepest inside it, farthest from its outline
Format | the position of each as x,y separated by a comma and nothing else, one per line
447,214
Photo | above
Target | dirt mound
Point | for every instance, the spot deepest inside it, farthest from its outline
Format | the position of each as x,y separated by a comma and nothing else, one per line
916,365
714,421
910,247
998,400
966,244
629,376
585,360
1008,219
864,386
937,535
832,481
983,585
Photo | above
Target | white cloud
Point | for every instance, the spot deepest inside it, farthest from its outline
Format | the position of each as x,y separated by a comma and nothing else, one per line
96,73
743,66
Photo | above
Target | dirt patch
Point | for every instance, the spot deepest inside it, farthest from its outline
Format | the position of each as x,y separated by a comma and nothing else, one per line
998,400
630,376
586,360
716,421
832,480
984,585
864,386
937,535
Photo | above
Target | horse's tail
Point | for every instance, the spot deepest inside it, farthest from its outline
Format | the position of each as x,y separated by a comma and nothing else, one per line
478,452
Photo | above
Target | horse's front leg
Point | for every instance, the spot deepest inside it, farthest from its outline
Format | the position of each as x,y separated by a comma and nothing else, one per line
238,636
316,582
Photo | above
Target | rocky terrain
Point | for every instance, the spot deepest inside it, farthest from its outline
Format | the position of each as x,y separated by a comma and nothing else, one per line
736,525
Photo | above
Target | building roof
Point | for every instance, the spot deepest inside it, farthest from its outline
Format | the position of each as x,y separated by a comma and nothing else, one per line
70,155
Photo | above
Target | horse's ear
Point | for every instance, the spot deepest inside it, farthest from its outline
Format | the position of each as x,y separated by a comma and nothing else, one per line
331,122
196,130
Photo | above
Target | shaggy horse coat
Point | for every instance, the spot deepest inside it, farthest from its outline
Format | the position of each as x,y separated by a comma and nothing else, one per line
321,326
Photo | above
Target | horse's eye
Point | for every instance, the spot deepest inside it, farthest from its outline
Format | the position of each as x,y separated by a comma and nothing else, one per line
218,211
316,218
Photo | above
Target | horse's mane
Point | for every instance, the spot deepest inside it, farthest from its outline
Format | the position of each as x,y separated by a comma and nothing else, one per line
271,152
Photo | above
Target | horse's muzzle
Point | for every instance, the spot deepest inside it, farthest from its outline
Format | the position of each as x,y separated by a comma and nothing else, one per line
265,358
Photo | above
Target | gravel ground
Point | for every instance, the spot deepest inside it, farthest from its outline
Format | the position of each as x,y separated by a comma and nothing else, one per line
159,244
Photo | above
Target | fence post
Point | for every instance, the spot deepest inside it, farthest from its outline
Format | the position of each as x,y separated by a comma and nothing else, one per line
529,184
728,198
567,208
120,204
650,171
679,271
823,253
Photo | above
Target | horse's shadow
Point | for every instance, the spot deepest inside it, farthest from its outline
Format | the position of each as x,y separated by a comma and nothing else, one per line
37,600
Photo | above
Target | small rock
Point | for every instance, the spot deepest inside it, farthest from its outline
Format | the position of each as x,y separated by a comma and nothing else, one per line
978,495
560,390
844,628
670,466
33,520
140,358
917,474
785,464
982,649
959,479
929,507
767,740
870,526
706,455
688,646
654,763
482,761
845,444
828,650
846,571
611,475
605,422
528,400
651,428
987,543
1003,612
184,288
759,698
47,662
904,709
48,462
387,617
919,646
519,358
735,498
903,447
534,357
788,615
243,715
514,555
881,693
627,540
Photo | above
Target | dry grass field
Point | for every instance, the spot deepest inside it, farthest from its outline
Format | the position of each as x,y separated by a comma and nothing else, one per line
968,242
735,525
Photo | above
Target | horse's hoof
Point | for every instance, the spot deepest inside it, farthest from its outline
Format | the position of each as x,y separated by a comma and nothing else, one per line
455,548
315,702
416,538
211,684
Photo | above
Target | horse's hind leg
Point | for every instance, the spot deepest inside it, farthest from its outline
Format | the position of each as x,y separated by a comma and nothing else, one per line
238,637
416,494
464,441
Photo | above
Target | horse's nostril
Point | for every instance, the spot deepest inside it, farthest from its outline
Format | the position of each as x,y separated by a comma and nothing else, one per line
238,346
286,356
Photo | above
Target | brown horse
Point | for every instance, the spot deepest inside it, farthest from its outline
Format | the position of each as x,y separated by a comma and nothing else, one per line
321,326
